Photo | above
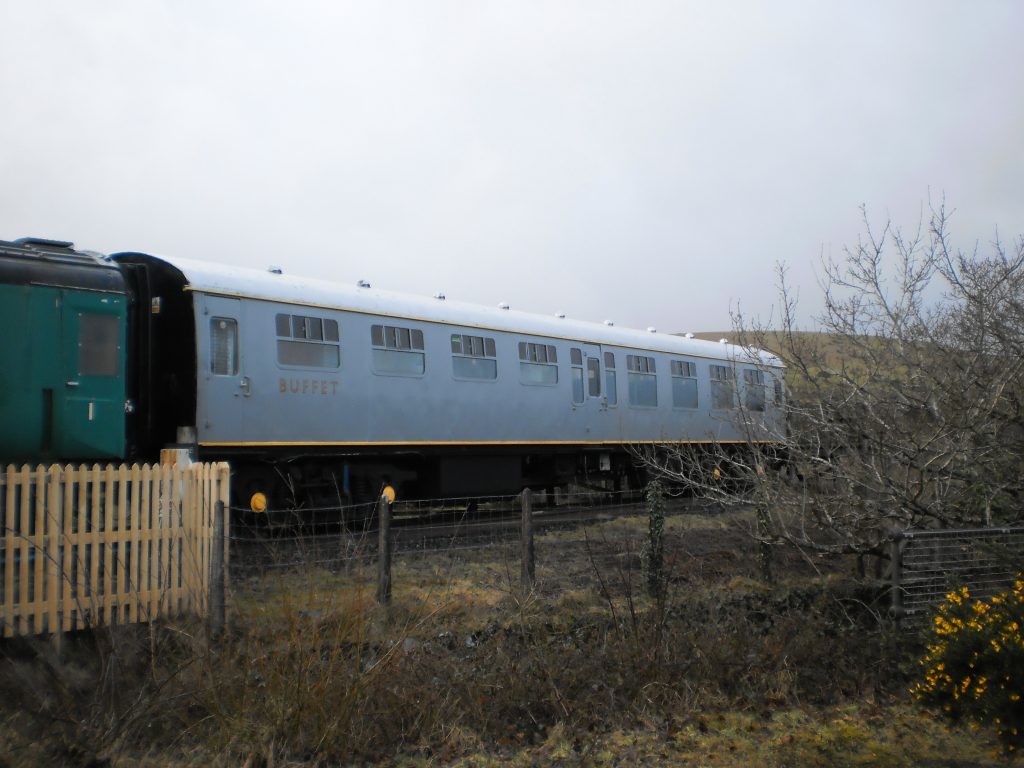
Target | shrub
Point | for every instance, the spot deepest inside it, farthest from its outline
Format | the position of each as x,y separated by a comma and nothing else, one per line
974,666
653,554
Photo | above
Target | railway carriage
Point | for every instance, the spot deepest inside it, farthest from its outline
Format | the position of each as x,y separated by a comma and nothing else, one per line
64,367
319,392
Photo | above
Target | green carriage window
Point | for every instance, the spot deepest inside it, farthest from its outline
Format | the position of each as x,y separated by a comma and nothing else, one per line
99,344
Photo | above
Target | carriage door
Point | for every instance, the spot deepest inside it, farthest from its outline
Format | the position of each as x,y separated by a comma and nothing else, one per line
88,403
587,384
224,387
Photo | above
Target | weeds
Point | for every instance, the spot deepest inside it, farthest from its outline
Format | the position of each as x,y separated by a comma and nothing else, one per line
653,554
466,663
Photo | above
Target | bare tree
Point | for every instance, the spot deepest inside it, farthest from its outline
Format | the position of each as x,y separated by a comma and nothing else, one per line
904,411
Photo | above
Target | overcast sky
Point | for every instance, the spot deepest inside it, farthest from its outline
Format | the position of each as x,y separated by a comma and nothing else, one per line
646,162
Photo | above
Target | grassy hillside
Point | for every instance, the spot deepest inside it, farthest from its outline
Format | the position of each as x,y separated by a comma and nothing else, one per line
820,352
774,342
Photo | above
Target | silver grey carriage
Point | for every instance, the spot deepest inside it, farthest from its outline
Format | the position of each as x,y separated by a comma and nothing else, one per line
323,390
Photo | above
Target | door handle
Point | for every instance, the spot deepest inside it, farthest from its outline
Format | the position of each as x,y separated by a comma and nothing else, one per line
71,383
244,386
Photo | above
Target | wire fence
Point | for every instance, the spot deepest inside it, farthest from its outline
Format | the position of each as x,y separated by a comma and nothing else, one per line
929,564
335,538
575,544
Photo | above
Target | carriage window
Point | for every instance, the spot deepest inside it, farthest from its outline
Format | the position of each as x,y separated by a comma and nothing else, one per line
307,342
223,346
576,363
397,351
609,378
723,388
99,344
538,364
643,381
640,364
684,384
473,357
779,401
753,390
593,377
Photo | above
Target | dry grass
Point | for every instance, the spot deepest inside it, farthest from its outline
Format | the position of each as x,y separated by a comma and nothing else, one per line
466,668
868,735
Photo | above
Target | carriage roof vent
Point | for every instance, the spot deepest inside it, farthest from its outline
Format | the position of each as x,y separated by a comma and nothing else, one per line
609,322
439,296
44,242
363,283
560,315
503,305
651,329
688,335
723,340
274,270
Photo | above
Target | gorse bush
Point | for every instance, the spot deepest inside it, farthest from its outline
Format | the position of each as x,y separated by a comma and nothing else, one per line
974,667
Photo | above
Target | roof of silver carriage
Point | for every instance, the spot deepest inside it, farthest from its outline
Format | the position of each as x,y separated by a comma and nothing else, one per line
278,285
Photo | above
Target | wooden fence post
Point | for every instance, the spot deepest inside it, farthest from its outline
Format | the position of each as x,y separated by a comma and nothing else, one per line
526,541
384,551
216,602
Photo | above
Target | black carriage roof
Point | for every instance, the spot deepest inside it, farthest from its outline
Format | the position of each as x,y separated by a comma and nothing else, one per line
38,261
